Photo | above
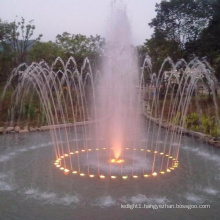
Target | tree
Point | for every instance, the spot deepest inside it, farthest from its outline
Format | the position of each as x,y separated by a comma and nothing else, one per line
158,48
79,46
181,20
47,51
184,28
208,44
6,52
15,41
20,39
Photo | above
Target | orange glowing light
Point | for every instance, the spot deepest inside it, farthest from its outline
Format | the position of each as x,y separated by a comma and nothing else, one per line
117,161
117,148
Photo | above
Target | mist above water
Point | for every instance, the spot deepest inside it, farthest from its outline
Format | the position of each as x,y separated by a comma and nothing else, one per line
117,90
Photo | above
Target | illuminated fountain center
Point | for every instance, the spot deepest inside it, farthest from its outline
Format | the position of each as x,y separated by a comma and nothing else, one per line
63,163
117,161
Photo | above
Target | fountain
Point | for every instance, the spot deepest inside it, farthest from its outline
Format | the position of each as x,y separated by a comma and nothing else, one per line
68,97
105,128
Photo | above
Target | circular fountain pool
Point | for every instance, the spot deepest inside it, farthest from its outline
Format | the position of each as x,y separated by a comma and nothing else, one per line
31,187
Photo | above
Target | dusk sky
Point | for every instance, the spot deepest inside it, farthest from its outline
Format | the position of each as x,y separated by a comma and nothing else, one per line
88,17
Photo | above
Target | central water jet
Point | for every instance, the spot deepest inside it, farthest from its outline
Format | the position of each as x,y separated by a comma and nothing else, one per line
118,99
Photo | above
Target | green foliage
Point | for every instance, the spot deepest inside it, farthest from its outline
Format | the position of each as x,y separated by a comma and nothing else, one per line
176,119
79,46
192,121
204,124
181,20
29,111
47,51
183,29
15,41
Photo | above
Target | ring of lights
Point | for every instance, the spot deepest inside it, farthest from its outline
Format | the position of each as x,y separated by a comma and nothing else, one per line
60,165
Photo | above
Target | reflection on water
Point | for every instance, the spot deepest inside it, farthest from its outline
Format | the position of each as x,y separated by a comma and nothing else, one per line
29,183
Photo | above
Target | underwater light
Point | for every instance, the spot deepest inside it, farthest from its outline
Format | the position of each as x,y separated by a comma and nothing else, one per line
117,161
60,163
124,177
154,174
146,175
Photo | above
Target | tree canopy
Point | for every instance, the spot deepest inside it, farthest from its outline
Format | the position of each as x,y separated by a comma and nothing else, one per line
184,28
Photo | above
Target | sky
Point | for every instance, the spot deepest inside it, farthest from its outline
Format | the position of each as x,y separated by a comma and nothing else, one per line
87,17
